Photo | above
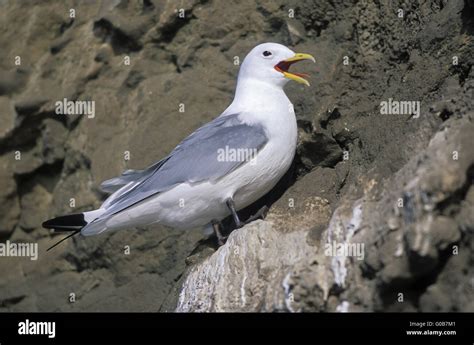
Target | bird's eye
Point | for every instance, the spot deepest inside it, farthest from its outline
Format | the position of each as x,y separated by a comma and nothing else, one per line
267,54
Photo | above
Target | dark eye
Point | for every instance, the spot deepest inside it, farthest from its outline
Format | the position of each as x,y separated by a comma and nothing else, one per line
266,53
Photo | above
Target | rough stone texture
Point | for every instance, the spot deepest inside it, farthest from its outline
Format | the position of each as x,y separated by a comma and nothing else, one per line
254,269
400,185
277,264
8,198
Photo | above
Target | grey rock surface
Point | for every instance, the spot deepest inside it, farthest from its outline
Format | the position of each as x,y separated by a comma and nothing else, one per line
401,185
409,227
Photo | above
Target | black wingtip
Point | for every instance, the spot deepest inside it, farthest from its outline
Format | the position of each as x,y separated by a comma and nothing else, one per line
70,222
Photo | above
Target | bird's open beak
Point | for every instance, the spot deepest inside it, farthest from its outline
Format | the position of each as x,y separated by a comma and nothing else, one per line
284,66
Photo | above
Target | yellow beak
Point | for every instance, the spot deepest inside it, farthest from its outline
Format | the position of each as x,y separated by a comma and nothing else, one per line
299,57
284,65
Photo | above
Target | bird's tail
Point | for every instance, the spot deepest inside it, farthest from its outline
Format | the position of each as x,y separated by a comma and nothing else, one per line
72,223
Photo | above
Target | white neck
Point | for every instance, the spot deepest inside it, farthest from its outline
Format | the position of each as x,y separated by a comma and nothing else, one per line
253,95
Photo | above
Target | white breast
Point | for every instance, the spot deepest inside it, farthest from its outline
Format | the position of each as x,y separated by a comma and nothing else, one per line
273,161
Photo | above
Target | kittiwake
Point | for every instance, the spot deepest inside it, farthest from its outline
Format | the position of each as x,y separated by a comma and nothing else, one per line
221,168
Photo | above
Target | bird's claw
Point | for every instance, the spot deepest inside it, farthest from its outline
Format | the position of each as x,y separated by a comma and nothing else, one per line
216,225
222,240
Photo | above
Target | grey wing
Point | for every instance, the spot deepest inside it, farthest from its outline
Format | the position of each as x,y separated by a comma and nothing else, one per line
195,159
114,184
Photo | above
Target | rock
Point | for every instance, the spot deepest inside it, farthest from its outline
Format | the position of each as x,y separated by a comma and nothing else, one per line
465,217
445,232
7,117
248,273
51,143
321,281
8,198
49,149
451,292
12,81
256,269
35,207
28,161
170,20
319,150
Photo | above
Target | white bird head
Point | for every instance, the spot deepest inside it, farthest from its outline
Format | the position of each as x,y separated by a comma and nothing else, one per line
270,62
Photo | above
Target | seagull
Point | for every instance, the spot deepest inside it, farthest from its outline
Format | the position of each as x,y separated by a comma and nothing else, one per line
221,168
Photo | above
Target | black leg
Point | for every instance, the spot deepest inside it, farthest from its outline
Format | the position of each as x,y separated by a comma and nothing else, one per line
220,239
230,204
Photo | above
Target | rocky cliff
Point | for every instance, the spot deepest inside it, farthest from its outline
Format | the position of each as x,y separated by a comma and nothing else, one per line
394,187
